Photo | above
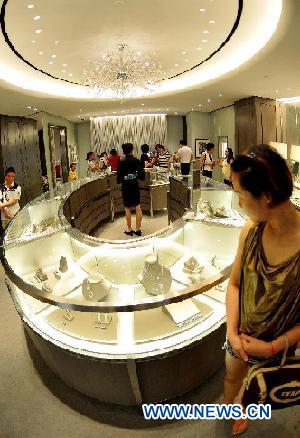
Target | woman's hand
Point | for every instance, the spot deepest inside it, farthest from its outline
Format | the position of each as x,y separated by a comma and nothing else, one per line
237,346
255,347
7,213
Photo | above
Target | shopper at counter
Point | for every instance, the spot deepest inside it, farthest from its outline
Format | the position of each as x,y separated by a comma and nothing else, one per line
72,173
93,165
263,300
226,166
207,161
146,159
185,156
10,195
102,161
113,160
163,156
129,172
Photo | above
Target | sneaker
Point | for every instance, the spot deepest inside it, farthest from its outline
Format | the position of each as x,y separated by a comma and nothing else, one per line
129,233
138,233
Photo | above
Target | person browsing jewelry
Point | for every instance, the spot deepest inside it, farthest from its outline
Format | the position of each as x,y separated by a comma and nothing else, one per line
263,299
129,172
226,166
206,160
93,165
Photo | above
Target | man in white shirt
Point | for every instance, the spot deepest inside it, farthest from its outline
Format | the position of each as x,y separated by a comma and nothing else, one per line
10,195
185,156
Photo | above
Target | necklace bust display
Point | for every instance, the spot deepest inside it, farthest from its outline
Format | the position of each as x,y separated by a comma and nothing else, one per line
155,278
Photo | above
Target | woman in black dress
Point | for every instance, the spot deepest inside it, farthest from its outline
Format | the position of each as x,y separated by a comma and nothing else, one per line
129,171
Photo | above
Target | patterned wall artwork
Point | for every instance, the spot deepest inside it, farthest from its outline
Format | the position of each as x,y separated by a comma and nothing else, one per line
112,132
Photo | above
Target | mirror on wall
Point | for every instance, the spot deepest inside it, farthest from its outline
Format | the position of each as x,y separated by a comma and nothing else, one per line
58,154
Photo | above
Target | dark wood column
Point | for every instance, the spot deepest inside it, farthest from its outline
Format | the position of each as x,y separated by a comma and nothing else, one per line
259,120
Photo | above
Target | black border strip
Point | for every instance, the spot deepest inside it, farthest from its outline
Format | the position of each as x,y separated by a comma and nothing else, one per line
11,46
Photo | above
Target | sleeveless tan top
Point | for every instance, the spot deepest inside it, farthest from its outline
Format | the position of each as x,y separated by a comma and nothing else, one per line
269,295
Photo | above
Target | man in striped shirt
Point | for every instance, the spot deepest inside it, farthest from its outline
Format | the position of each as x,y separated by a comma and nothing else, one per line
163,156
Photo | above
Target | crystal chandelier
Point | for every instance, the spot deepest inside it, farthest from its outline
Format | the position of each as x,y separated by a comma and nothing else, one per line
122,73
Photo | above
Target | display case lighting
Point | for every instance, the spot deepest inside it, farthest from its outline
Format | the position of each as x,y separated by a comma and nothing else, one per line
281,148
295,152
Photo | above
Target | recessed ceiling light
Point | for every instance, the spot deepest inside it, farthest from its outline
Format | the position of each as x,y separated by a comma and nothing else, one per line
123,111
40,53
142,104
192,109
37,17
114,112
205,31
204,41
167,109
53,56
63,71
50,62
141,110
147,63
56,42
199,48
200,104
202,10
80,110
184,52
175,65
138,53
29,107
220,95
35,109
212,21
33,41
65,65
276,91
175,113
38,30
208,100
30,6
70,74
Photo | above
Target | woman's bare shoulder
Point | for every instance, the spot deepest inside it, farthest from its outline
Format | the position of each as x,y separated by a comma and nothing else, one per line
246,228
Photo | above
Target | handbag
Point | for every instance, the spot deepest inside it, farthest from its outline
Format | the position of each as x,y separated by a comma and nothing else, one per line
271,383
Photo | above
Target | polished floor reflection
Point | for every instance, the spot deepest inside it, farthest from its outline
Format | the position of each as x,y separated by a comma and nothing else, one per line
115,230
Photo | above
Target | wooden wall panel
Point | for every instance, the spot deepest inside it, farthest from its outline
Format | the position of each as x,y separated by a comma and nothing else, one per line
267,128
19,148
259,120
245,120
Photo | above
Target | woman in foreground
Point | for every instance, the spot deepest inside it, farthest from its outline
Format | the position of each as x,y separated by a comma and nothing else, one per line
263,295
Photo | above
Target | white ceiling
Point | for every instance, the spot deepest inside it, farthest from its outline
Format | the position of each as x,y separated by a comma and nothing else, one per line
161,28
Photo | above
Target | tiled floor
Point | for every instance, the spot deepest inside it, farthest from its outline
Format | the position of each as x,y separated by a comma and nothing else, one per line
115,230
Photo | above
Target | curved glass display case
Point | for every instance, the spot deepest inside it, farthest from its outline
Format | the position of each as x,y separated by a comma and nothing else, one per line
119,310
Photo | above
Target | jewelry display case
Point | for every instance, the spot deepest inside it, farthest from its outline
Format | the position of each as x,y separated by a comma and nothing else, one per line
295,160
117,319
295,198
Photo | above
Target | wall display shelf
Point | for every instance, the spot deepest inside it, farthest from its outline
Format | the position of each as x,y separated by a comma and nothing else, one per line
117,319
